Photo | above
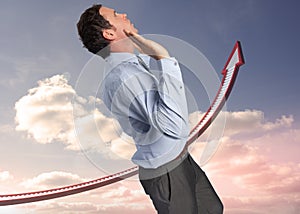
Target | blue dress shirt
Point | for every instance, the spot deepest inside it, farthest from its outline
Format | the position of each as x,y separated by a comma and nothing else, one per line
150,106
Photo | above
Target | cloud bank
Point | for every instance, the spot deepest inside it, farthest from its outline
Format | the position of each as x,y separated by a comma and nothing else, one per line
53,112
52,179
244,171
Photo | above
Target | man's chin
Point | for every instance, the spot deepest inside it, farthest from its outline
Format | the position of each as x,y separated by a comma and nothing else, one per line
134,29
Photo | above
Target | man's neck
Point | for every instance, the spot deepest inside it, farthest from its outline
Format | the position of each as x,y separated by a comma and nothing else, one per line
122,46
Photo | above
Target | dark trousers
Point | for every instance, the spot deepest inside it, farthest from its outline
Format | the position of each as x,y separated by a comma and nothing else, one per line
183,190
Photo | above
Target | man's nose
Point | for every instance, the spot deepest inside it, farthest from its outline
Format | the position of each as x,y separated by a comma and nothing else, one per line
124,16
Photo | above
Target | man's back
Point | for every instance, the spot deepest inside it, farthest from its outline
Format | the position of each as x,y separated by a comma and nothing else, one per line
158,125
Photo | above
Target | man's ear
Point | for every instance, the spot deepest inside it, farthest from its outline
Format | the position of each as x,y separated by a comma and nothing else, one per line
109,34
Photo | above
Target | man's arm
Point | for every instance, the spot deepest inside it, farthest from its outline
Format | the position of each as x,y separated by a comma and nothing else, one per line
169,110
147,46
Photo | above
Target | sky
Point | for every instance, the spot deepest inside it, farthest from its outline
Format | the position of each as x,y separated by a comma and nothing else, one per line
45,118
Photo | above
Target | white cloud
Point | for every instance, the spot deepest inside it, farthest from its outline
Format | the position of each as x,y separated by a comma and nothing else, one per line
245,179
123,147
96,131
122,197
251,121
5,176
46,111
238,125
258,162
243,122
261,204
92,208
52,180
254,182
53,112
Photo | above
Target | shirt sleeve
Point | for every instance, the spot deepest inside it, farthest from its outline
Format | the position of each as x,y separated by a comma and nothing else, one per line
153,101
171,114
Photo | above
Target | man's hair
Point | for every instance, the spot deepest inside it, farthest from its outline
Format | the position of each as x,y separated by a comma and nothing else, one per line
90,27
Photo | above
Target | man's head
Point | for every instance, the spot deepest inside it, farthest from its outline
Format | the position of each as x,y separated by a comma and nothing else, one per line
100,26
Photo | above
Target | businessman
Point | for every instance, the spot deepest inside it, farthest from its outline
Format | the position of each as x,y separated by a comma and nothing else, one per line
151,107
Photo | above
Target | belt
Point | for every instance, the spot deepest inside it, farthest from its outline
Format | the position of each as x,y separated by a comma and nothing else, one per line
146,173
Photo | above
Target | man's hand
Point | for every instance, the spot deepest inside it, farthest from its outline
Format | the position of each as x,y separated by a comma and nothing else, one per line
147,46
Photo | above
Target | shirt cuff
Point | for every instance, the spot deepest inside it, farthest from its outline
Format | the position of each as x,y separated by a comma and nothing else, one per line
171,67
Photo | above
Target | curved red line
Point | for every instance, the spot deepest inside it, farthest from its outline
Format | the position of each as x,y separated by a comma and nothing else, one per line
100,182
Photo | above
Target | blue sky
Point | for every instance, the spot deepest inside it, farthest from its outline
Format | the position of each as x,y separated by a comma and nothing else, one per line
39,40
45,31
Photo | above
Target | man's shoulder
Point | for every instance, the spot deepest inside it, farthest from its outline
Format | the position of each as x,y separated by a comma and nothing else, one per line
123,70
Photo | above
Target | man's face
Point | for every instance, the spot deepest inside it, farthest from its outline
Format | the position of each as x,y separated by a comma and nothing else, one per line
118,21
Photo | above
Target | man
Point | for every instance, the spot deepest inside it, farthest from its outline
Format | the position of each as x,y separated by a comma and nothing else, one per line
150,107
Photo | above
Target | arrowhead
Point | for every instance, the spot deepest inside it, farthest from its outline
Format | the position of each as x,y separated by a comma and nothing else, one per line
236,58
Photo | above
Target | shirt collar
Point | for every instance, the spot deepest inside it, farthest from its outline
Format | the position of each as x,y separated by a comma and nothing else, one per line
117,58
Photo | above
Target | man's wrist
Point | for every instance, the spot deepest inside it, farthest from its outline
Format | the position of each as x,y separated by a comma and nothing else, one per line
159,57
